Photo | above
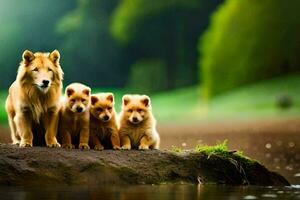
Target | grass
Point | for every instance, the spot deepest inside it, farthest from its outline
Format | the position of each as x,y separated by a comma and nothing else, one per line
185,105
218,148
249,102
221,149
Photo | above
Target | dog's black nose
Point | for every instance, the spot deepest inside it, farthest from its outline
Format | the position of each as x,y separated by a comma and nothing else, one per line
135,119
79,109
105,117
45,83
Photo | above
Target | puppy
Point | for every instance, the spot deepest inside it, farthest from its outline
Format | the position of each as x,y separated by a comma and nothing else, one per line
137,124
103,123
32,104
75,117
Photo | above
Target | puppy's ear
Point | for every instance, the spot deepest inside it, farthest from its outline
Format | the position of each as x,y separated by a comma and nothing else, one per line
94,99
54,56
27,56
126,99
69,91
110,97
145,100
87,91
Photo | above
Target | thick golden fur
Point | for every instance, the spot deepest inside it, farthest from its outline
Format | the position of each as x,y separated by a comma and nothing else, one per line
137,124
103,123
30,102
75,117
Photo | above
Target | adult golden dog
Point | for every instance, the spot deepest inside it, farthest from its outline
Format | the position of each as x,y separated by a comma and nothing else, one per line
33,100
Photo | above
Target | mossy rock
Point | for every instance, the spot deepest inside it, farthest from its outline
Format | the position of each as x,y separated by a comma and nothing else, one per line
44,166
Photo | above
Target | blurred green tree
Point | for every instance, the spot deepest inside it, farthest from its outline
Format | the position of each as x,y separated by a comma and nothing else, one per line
165,30
247,41
27,25
92,56
147,76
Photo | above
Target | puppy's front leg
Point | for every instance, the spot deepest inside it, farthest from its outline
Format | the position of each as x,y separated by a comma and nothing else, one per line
66,139
84,137
51,124
94,141
115,139
23,126
126,144
145,142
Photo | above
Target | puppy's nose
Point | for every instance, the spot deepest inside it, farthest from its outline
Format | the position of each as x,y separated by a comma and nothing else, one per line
45,83
79,109
135,119
105,117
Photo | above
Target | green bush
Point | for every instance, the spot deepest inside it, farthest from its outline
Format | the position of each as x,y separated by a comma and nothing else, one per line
249,40
147,76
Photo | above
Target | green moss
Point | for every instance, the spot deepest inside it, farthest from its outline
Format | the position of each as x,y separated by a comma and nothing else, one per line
218,148
221,149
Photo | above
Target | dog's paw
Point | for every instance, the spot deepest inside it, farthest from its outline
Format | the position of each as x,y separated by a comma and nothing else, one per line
84,146
68,146
143,147
126,147
98,147
53,145
116,147
25,144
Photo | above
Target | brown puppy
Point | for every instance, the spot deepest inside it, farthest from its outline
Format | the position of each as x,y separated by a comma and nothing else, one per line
103,123
75,117
137,124
33,99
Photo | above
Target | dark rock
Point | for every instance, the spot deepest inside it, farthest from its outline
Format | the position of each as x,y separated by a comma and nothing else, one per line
44,166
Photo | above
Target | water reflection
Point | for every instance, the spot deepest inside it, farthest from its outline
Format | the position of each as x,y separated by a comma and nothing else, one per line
145,192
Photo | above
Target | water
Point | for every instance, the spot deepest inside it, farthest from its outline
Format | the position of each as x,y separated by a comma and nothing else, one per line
144,192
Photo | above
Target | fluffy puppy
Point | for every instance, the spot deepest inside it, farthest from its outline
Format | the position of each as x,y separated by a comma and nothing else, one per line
137,124
103,124
75,117
32,104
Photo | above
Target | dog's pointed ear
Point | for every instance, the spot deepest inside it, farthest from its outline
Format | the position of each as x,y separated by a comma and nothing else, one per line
145,100
94,99
110,97
69,91
27,56
87,91
55,56
126,99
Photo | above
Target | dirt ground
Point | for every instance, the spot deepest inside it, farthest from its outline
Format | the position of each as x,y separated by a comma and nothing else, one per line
274,142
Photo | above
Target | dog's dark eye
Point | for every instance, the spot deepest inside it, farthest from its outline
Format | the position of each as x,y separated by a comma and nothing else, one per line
99,109
140,110
83,100
35,69
130,110
109,108
73,100
50,70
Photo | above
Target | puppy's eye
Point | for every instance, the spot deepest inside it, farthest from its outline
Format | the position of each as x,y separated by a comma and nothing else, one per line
109,108
73,100
130,110
140,110
35,69
99,109
50,70
83,100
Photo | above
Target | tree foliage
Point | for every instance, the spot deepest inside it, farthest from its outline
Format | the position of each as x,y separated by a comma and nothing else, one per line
165,30
27,25
249,40
92,56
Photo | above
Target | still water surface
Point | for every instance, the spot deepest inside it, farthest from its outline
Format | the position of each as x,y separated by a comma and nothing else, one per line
145,192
